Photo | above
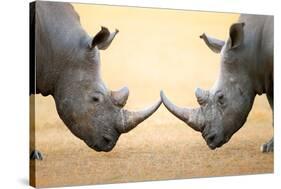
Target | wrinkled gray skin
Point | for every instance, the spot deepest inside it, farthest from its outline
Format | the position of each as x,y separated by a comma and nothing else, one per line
246,69
68,68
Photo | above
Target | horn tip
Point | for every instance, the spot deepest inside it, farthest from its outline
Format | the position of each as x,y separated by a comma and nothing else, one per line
162,94
164,99
159,102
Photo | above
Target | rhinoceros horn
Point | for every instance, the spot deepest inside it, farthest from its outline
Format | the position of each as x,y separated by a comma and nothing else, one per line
130,119
191,116
119,98
202,96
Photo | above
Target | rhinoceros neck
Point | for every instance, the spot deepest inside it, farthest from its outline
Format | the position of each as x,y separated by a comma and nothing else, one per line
60,42
259,51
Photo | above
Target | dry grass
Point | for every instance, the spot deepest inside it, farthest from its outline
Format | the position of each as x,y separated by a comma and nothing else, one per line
155,50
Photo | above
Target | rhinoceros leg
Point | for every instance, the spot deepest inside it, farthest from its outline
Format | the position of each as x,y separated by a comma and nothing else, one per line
269,146
36,155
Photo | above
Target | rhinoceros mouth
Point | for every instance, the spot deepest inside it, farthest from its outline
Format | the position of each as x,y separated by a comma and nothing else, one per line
105,144
215,144
98,148
211,146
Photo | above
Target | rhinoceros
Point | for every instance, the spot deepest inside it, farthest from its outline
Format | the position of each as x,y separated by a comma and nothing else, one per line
246,70
68,68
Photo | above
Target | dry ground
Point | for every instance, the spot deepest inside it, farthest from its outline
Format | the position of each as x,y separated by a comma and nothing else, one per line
155,49
160,148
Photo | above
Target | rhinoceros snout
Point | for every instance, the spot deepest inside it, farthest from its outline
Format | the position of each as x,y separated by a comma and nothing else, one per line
105,143
210,140
214,140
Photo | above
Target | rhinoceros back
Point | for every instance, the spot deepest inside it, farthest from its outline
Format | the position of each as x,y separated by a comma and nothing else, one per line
59,38
259,44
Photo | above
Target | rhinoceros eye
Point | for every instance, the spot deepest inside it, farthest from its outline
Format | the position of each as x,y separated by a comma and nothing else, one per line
220,98
95,99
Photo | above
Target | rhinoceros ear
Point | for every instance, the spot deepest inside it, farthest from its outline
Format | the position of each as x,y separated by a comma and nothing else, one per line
236,35
214,44
103,39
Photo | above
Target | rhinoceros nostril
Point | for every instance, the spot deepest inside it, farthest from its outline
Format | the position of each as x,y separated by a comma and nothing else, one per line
107,139
211,138
96,147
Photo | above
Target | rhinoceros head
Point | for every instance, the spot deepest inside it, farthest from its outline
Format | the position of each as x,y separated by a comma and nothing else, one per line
90,110
223,109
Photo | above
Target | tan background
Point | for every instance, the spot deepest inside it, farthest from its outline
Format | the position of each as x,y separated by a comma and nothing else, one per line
155,49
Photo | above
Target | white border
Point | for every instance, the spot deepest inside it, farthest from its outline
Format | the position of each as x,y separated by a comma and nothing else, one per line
14,93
